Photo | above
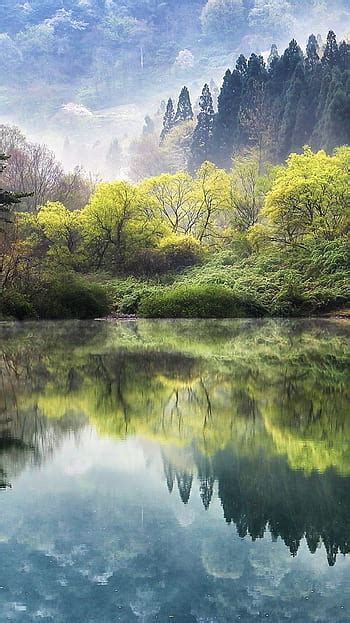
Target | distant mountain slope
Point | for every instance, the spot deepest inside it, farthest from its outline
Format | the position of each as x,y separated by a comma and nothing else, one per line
105,52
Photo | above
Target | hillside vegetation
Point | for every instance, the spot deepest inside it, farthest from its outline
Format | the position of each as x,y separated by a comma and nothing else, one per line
218,243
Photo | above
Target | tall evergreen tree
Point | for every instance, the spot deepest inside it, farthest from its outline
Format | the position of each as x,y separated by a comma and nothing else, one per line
8,199
203,134
290,59
294,101
169,120
334,127
184,107
273,56
242,65
344,56
148,127
256,69
214,93
225,132
331,53
312,53
184,483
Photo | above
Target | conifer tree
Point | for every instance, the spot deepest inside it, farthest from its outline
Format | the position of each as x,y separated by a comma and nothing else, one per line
273,56
148,127
333,126
184,107
241,65
290,59
331,53
8,199
256,69
214,93
297,113
227,118
169,120
312,53
296,100
344,56
203,134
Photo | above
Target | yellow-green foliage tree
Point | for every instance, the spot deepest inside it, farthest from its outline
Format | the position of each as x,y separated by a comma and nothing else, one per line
59,231
309,199
170,197
247,191
211,190
116,222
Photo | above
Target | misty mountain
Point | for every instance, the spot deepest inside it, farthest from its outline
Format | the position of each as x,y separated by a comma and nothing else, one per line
103,53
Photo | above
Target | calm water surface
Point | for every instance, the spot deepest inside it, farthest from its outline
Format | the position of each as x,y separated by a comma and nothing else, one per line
177,471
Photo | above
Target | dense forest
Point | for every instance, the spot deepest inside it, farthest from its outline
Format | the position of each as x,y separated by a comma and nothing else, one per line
242,211
102,52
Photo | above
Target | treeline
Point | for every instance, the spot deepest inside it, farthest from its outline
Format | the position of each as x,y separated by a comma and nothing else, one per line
257,243
34,170
276,107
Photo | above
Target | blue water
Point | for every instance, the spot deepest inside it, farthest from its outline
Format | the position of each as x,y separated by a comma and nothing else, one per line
175,471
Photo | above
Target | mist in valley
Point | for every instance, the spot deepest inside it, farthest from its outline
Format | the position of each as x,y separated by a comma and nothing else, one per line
82,76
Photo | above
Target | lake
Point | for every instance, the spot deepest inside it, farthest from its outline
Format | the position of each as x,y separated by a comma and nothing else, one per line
181,471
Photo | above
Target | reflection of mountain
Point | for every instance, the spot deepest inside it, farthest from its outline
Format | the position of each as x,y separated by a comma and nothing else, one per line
260,408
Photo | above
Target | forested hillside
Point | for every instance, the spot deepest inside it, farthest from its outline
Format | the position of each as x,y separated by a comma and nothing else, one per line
103,52
275,107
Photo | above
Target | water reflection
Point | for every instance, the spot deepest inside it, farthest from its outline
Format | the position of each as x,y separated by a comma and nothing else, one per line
243,422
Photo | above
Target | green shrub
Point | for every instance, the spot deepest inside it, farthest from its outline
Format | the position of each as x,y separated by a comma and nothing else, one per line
16,305
192,302
173,254
181,251
126,294
70,297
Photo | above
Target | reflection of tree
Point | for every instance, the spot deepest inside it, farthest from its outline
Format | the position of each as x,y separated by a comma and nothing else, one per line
184,483
261,493
26,435
169,474
257,406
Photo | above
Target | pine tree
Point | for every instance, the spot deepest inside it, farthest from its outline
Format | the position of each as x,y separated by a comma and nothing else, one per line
312,53
203,134
184,108
169,473
227,118
334,128
253,114
214,93
290,59
242,65
273,56
344,56
292,103
331,53
168,121
148,127
8,199
256,69
184,483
